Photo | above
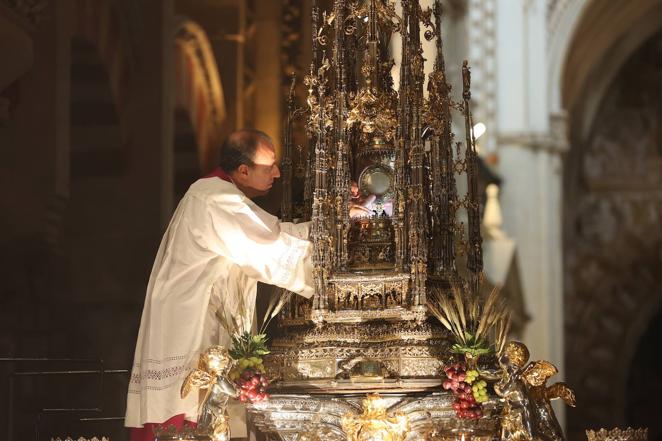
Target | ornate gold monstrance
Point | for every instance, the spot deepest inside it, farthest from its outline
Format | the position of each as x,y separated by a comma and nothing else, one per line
380,190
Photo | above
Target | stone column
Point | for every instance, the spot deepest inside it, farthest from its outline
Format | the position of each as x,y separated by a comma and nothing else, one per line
529,161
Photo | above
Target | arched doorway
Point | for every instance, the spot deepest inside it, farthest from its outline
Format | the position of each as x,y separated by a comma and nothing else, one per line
613,209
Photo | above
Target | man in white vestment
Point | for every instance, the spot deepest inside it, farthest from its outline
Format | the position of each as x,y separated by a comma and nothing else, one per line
218,245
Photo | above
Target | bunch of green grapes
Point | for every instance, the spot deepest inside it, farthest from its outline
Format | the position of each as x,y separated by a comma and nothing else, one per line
246,363
471,376
479,391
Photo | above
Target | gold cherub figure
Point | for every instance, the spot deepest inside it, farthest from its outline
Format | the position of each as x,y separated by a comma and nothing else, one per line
374,424
527,412
211,374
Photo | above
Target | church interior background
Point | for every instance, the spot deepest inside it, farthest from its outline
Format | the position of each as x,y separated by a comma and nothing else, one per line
109,109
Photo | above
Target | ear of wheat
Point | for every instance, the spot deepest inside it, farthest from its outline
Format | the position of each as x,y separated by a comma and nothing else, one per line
479,326
244,343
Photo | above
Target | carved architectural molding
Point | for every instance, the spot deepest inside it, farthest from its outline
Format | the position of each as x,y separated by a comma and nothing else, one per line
562,18
558,13
558,125
554,142
482,53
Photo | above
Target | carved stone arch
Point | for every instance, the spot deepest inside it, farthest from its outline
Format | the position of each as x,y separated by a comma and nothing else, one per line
198,90
99,22
562,20
589,42
612,238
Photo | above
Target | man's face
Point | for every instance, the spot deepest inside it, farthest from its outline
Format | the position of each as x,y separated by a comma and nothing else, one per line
259,178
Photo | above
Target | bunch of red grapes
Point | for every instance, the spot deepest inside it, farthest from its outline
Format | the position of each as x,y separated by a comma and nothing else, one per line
465,405
253,386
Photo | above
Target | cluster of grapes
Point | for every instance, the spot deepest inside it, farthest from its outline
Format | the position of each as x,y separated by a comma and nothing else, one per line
248,374
244,363
465,405
478,388
253,386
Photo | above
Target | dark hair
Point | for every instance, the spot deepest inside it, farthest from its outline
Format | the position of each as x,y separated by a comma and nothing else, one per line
239,148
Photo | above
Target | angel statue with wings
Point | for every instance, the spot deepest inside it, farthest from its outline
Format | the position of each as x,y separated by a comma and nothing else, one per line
211,374
527,411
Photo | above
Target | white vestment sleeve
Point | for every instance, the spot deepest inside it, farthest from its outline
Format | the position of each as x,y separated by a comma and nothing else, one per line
252,239
300,230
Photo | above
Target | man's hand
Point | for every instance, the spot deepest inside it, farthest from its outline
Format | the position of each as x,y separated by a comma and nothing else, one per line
356,210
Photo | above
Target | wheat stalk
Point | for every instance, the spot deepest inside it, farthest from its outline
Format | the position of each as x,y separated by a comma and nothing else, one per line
276,304
231,325
470,320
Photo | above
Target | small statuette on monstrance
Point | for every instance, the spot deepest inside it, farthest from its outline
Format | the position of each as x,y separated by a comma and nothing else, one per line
527,410
213,420
374,424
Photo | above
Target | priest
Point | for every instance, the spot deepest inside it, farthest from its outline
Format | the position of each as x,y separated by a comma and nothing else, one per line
218,245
